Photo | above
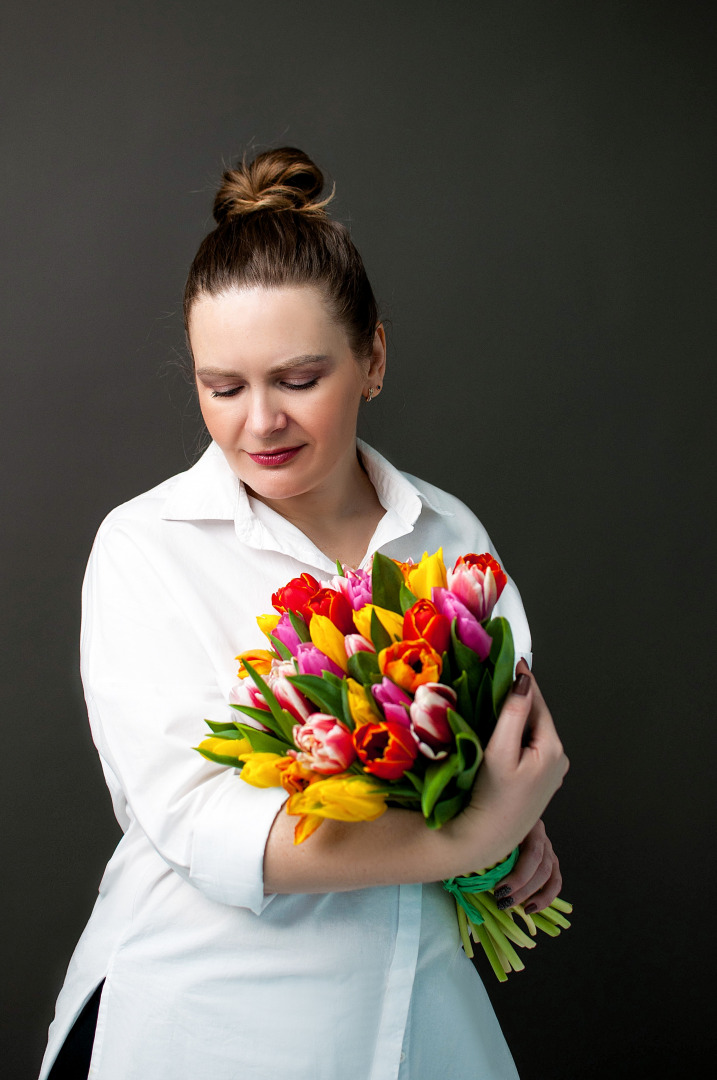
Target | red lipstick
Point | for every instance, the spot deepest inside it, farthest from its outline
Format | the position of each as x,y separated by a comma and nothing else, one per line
275,457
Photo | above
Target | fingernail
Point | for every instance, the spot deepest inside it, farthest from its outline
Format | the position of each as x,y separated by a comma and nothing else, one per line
504,890
530,908
521,684
506,902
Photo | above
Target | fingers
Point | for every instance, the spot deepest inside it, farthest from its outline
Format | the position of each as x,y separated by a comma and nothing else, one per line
508,734
536,876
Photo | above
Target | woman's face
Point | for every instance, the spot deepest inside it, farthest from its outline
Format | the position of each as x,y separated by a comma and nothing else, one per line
280,388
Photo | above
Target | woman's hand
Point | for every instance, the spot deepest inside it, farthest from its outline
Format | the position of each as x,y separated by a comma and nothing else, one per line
523,766
535,876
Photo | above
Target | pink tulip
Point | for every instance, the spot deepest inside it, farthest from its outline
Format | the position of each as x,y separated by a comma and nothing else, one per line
245,693
429,719
285,633
325,744
312,661
357,643
477,581
393,700
355,586
291,699
469,630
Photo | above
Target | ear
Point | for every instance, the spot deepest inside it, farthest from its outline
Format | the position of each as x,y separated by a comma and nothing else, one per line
377,361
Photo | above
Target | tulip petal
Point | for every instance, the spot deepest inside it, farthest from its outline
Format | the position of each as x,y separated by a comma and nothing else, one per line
329,639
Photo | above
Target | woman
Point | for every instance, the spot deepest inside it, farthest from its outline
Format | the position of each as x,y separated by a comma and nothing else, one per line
217,948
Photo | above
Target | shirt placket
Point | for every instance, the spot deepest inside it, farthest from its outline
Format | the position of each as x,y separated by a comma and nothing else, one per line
389,1053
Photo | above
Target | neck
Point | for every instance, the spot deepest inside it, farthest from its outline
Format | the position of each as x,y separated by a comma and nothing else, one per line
340,516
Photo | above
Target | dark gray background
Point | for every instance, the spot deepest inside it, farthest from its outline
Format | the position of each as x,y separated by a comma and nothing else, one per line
532,186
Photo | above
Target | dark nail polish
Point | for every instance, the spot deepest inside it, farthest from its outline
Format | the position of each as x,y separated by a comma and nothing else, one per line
530,908
504,890
521,684
506,902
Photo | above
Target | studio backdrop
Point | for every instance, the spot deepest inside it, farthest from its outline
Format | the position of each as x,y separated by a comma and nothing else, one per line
531,185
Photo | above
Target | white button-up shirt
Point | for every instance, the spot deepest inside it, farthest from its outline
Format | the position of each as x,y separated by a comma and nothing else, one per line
206,977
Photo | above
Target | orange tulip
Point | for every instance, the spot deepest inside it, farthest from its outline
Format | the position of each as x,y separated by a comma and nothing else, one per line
410,664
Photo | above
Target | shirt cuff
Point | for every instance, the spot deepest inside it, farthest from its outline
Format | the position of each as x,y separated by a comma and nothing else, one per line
229,841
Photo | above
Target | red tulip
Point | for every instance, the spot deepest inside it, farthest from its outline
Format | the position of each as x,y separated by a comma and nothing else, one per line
424,620
386,749
335,607
295,594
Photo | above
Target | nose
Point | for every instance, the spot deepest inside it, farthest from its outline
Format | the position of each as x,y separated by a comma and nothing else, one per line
265,415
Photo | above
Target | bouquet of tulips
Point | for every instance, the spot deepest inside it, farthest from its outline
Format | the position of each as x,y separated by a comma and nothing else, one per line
380,688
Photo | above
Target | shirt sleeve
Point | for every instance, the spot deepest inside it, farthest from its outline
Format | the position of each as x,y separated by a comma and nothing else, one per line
149,682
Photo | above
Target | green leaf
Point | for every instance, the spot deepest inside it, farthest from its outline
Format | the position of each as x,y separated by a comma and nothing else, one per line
345,708
502,655
484,716
256,714
264,743
445,810
218,726
340,569
300,626
471,754
465,703
386,582
417,781
363,667
232,762
283,721
438,775
321,691
380,636
466,660
406,598
228,733
283,651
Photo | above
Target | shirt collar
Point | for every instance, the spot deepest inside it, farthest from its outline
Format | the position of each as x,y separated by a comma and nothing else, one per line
210,491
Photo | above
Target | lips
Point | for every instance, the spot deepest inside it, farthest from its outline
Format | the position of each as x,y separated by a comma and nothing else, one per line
275,457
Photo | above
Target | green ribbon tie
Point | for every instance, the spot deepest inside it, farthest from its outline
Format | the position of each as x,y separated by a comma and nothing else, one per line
476,883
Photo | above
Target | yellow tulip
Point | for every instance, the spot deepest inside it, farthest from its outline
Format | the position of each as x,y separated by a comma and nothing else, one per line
267,623
233,748
341,798
430,572
391,622
329,639
305,826
361,711
264,770
260,660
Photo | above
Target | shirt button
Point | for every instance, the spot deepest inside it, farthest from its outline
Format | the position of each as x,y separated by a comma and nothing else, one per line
402,1057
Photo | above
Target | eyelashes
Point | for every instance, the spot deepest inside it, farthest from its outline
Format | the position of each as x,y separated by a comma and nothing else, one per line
285,385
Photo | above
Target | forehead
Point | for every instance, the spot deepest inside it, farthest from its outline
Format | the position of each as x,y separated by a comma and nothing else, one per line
264,323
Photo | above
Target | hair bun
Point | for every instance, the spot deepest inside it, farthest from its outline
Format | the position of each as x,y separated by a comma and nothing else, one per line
276,180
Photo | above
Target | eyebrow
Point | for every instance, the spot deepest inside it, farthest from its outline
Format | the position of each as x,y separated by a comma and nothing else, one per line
287,365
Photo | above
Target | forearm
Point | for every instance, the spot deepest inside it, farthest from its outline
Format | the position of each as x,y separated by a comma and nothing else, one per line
398,848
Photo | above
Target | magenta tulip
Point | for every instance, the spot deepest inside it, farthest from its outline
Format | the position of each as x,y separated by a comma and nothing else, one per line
393,700
312,661
468,629
355,586
285,633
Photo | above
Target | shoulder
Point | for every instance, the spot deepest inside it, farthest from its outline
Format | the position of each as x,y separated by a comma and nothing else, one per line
457,520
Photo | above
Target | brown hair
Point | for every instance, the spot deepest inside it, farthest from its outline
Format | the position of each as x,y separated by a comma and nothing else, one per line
272,231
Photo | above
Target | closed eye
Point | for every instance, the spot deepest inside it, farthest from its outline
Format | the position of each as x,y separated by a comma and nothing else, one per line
300,385
227,393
